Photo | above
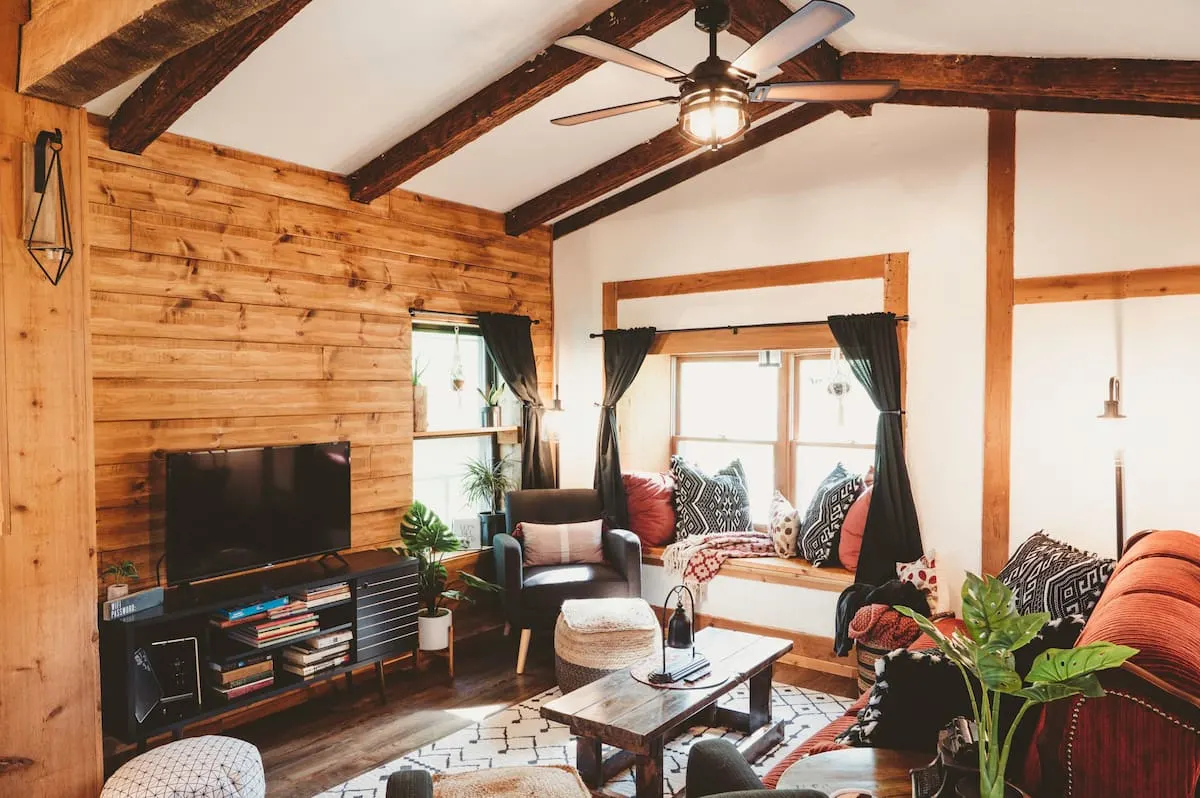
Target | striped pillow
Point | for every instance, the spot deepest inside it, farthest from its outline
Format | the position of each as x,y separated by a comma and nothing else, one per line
561,544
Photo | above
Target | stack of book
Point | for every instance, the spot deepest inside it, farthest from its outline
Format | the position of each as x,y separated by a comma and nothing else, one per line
230,680
310,657
226,619
281,623
325,595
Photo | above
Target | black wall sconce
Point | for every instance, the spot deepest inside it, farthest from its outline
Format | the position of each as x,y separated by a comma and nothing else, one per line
47,217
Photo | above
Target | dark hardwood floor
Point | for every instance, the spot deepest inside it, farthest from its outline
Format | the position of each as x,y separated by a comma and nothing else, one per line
337,734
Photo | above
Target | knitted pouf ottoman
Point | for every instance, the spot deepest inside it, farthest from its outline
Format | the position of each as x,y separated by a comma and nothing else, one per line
596,637
198,767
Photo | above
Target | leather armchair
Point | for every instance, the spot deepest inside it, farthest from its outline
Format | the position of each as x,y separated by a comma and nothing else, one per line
716,769
533,596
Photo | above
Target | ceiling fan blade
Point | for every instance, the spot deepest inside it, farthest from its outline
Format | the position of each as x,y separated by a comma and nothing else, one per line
833,91
812,23
616,110
618,55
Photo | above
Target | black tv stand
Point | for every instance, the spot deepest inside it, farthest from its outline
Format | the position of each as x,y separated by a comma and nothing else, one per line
333,555
381,613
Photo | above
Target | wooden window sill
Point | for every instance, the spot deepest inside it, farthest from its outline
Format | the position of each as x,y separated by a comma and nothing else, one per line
776,570
466,433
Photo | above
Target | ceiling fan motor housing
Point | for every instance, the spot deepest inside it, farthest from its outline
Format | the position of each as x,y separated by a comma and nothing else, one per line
712,16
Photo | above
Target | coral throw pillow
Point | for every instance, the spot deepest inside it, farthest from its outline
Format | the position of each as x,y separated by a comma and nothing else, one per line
561,544
850,543
650,500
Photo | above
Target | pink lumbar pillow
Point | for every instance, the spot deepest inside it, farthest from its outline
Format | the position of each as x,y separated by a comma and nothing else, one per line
562,544
852,530
650,501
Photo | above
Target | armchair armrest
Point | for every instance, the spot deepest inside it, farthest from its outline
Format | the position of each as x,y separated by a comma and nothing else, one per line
623,551
410,784
510,572
717,768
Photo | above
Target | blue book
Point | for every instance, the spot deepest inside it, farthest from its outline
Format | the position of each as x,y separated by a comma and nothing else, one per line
254,609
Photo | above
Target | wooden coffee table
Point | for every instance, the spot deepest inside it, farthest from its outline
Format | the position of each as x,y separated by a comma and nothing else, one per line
637,718
882,773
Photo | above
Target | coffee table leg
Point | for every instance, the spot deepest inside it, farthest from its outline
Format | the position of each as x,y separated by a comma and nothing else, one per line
588,761
760,698
648,772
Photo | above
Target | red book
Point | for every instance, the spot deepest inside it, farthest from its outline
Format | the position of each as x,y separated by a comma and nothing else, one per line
223,624
241,690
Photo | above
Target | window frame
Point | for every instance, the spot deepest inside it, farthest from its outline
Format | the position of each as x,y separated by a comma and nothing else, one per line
787,441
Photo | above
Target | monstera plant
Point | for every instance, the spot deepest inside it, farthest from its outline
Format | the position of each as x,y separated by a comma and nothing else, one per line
994,630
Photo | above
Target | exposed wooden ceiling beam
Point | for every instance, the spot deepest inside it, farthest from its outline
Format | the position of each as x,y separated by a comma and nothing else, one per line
1109,79
182,81
625,24
1014,102
72,51
750,21
757,136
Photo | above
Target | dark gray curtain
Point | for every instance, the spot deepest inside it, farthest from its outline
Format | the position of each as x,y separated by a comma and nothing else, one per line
892,533
509,343
624,353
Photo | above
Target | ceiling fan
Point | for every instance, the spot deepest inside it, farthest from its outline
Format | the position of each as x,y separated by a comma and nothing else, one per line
714,97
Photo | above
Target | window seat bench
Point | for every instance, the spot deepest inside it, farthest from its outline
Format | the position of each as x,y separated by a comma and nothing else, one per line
776,570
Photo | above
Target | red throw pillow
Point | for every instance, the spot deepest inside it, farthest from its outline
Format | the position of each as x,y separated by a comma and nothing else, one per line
650,500
852,530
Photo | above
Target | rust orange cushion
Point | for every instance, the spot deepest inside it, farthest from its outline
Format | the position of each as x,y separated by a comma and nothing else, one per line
650,500
850,543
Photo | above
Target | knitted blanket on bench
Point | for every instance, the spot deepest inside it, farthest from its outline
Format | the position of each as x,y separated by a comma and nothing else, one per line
695,560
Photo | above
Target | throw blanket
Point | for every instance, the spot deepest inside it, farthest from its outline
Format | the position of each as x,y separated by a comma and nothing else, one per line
695,560
880,626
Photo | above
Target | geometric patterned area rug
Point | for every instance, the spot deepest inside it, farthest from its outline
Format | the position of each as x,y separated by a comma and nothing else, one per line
518,735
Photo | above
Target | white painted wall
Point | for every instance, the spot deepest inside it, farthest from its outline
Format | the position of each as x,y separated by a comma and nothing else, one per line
1093,194
1104,194
909,180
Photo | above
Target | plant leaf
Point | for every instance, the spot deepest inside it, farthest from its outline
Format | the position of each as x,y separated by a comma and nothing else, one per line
927,626
988,609
1060,665
473,582
997,670
1045,692
1018,632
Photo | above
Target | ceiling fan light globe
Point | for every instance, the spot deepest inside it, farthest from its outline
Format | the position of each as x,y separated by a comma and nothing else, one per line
713,117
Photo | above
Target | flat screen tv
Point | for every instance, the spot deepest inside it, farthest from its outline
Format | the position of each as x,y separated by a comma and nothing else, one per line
235,509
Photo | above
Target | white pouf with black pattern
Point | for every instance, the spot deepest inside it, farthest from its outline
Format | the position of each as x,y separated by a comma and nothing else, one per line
199,767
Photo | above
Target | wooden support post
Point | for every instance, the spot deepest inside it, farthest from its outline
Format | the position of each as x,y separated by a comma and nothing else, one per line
998,346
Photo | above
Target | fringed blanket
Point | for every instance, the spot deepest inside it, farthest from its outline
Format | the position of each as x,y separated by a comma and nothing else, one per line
695,560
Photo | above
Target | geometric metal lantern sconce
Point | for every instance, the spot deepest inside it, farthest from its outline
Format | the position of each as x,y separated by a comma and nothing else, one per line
47,219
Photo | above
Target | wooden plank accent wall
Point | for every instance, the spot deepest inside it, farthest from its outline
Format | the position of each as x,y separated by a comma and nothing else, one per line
49,665
998,341
242,301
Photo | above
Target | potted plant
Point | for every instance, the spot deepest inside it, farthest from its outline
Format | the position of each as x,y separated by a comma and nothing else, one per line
420,396
427,538
491,401
125,569
994,631
486,482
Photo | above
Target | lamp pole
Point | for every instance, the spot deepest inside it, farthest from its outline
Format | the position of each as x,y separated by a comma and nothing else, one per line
1112,413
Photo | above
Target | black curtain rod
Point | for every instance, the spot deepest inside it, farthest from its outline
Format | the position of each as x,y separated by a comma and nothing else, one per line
422,311
735,327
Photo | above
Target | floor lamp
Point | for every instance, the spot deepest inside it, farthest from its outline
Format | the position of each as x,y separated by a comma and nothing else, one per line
1113,418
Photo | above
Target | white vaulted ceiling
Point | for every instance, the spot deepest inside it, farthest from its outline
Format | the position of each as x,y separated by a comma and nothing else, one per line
346,79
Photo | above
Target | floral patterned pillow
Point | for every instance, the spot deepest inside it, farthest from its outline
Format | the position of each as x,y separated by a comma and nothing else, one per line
784,525
922,573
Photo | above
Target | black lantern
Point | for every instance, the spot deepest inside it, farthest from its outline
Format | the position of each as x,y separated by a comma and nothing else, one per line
48,237
680,635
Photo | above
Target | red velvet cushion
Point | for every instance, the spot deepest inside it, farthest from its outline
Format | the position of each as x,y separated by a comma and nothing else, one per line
852,530
650,500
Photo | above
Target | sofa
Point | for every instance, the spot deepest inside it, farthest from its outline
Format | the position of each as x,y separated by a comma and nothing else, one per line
1143,738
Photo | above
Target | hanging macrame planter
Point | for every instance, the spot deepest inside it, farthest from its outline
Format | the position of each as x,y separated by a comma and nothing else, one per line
839,383
458,379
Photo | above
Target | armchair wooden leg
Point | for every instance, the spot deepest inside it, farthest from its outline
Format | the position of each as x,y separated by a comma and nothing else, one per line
523,650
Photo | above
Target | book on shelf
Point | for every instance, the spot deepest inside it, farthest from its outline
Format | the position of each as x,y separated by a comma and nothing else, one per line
225,666
243,681
327,640
320,597
287,610
298,655
281,636
230,693
241,613
308,671
264,627
229,677
222,623
335,598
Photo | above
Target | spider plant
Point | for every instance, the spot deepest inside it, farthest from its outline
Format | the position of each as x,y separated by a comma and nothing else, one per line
487,481
491,397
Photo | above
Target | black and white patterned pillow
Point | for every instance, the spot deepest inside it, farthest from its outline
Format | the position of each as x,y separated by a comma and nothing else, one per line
916,693
1047,575
710,503
825,515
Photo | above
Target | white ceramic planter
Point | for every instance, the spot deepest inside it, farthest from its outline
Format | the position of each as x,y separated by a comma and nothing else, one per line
434,632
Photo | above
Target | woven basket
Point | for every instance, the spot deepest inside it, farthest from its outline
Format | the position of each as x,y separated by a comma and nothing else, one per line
866,664
583,655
